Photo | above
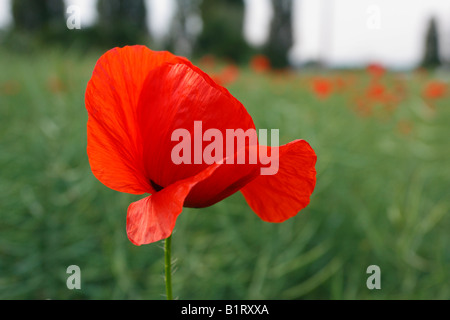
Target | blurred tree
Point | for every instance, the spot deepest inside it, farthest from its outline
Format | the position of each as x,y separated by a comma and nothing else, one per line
431,57
186,26
43,18
121,22
222,32
280,37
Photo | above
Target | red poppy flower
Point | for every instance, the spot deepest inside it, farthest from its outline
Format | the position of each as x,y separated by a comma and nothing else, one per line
376,70
136,98
434,90
260,63
376,92
208,61
322,87
228,75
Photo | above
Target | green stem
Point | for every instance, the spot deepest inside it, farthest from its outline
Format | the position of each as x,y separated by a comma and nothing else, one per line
168,267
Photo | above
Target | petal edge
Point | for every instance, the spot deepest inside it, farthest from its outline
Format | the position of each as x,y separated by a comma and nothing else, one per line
276,198
153,218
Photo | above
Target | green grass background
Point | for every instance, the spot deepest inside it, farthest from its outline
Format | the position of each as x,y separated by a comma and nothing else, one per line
382,198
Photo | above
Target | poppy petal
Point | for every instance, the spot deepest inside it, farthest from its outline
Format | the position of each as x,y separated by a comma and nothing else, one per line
226,180
153,218
179,96
278,197
111,100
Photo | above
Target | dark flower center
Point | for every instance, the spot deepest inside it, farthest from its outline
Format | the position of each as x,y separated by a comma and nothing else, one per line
156,186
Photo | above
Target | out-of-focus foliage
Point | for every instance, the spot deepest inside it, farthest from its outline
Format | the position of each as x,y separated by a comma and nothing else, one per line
199,27
185,28
121,22
431,57
43,23
280,38
38,21
222,33
38,16
381,197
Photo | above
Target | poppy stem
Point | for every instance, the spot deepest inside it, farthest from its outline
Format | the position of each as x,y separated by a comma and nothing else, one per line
168,267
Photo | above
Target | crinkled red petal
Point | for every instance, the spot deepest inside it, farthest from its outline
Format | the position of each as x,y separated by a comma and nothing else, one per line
278,197
179,96
153,218
112,94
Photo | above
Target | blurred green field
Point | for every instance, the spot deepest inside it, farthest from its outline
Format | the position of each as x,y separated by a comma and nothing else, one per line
382,196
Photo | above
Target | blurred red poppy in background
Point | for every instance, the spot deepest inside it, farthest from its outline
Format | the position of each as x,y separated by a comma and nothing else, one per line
260,63
229,74
376,70
208,61
435,90
135,100
376,92
322,87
